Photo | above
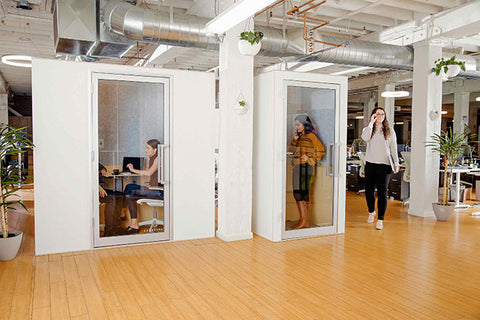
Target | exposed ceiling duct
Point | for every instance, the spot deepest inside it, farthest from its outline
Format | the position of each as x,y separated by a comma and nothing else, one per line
122,24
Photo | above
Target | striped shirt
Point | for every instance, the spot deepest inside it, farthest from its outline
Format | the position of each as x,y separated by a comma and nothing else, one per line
309,145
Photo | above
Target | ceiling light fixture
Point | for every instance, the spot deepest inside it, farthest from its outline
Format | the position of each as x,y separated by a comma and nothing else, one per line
17,60
477,99
395,94
235,14
359,117
444,112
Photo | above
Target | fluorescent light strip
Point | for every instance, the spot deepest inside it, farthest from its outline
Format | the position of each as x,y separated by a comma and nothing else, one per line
17,61
349,71
477,99
235,14
394,94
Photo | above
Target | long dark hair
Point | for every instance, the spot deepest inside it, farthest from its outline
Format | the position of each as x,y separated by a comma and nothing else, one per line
385,124
307,123
153,143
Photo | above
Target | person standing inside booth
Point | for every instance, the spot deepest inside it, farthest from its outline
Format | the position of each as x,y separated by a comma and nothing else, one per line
307,151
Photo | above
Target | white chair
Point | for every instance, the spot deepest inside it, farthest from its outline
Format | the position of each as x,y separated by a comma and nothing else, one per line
361,173
155,203
406,173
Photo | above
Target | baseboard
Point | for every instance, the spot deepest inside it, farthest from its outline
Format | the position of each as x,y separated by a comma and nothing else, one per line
423,214
235,236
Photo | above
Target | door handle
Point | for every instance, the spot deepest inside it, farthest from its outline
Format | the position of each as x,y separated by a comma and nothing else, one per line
161,163
330,160
337,160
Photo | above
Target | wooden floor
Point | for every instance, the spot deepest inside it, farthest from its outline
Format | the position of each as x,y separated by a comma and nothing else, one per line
413,269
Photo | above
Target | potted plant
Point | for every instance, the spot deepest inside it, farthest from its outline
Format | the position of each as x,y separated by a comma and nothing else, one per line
241,106
249,42
448,68
12,142
450,146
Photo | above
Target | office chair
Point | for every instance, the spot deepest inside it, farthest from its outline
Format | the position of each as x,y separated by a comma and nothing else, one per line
361,173
406,173
155,203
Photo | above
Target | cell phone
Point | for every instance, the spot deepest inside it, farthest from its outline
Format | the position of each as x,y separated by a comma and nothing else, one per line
299,133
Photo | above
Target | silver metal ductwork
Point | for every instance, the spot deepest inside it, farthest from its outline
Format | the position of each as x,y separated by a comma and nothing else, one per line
120,25
157,26
189,31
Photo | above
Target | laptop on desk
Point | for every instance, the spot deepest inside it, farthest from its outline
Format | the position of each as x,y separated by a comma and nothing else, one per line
136,161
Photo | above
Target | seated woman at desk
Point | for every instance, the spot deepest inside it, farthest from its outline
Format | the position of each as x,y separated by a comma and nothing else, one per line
133,192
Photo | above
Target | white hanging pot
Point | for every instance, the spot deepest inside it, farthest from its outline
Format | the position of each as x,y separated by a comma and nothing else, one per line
453,70
443,75
248,49
241,106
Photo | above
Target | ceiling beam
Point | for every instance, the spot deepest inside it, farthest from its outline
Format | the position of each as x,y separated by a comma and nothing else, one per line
168,55
443,24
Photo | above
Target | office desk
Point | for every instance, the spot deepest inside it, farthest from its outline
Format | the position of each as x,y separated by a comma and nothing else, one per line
120,177
457,171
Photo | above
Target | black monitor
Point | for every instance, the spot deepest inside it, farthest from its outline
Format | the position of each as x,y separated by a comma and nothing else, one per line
136,161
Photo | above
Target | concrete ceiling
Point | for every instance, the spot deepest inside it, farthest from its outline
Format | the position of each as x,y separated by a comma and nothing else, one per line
389,21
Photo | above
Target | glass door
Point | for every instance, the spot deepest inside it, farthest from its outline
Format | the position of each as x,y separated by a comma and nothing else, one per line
311,145
130,159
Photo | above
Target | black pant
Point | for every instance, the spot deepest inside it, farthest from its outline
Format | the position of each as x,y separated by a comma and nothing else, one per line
377,175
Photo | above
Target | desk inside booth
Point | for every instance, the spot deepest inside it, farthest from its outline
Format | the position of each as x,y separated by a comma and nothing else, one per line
118,182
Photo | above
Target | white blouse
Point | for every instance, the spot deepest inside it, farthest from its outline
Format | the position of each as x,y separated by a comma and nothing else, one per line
377,148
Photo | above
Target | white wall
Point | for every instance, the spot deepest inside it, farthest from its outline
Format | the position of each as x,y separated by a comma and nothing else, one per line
62,107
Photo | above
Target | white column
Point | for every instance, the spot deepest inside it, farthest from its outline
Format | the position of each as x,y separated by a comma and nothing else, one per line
426,120
461,103
235,141
368,106
387,103
4,108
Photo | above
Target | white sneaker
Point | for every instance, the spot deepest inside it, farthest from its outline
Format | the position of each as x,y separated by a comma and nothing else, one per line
371,217
379,225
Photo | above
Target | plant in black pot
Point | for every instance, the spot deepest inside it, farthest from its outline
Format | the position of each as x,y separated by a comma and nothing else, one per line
450,146
12,142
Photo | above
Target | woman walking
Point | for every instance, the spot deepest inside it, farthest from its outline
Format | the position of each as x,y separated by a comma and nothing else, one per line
381,145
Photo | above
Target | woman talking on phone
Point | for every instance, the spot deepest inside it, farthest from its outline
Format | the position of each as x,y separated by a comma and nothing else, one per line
381,159
307,151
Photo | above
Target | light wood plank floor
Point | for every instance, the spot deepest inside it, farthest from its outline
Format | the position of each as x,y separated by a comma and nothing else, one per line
413,269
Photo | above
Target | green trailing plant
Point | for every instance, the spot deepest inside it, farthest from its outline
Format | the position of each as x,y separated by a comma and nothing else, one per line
251,36
242,103
442,63
12,142
450,146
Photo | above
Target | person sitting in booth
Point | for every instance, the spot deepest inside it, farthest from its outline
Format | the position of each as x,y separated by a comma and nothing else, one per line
114,203
133,192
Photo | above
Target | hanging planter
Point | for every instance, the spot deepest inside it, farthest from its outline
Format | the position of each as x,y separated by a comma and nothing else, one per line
249,43
241,106
448,68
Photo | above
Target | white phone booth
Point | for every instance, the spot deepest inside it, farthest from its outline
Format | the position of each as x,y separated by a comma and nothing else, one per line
299,170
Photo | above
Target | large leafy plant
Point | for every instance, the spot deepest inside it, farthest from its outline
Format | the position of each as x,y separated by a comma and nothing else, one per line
442,63
251,36
450,146
12,142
